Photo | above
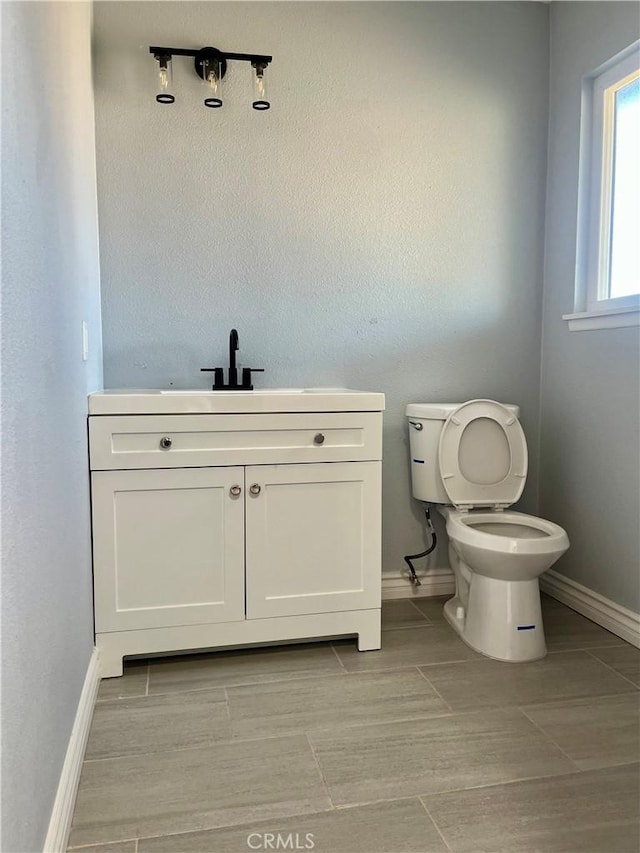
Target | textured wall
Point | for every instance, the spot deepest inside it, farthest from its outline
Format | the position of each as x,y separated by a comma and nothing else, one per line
49,284
590,467
381,227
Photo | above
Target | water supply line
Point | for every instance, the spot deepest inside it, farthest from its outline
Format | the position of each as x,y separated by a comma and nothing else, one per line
413,577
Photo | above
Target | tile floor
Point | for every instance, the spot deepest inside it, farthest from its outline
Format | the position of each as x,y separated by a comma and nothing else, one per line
423,746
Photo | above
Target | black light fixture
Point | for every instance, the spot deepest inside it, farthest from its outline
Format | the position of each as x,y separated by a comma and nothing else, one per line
210,65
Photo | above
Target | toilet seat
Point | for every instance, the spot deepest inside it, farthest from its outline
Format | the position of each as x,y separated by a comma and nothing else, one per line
463,491
476,529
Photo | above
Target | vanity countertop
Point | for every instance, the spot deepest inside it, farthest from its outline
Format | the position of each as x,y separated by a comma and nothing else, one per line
155,401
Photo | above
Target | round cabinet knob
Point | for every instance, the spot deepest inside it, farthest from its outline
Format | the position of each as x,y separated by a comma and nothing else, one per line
255,489
165,442
235,491
319,438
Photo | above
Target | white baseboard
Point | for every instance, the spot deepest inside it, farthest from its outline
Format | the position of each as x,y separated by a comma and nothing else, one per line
62,812
433,582
615,618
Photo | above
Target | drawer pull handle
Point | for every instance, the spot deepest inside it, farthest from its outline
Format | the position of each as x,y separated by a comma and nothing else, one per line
165,442
319,438
255,489
235,491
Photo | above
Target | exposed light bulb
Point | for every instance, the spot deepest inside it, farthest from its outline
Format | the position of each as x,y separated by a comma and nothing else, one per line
165,80
213,82
260,100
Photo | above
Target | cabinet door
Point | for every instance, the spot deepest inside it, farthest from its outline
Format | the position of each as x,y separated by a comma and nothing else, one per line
312,538
168,547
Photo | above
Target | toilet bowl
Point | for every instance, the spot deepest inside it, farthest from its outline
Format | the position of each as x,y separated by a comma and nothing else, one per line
507,545
497,558
471,460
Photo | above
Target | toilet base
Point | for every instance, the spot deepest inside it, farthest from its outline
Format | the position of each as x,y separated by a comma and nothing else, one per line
502,619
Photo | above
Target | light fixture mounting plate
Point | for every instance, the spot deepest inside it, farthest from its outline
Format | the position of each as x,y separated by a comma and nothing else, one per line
209,53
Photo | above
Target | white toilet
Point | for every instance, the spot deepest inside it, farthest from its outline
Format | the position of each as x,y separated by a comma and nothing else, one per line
471,459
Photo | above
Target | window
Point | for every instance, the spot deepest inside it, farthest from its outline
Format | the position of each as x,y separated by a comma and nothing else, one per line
608,251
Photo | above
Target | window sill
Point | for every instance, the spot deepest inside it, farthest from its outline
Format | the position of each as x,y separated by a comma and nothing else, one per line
612,318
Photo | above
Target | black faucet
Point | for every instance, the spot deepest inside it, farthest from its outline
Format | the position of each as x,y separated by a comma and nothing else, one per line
218,372
234,346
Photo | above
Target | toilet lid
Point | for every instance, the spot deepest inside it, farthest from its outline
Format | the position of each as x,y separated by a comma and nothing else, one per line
482,455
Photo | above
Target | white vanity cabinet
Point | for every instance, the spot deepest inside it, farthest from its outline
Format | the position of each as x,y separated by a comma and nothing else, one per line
223,528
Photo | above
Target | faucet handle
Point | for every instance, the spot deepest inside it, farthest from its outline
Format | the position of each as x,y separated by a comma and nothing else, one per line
218,376
246,376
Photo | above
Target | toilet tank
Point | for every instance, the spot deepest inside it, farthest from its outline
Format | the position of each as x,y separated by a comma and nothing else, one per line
425,425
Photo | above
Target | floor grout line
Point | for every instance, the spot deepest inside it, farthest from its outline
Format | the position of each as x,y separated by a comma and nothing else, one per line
81,847
435,689
568,700
339,659
580,649
141,697
407,666
433,821
210,745
223,826
549,738
595,657
320,771
306,674
424,616
113,700
498,784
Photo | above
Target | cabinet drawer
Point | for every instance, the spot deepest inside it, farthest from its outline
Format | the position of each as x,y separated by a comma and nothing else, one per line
185,441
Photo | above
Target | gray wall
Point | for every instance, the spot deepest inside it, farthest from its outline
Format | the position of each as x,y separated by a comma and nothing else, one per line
590,469
380,227
49,284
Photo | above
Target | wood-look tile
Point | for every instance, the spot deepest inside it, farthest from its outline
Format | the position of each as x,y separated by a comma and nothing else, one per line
401,614
593,732
410,647
194,789
133,682
432,607
493,684
345,700
242,666
116,847
439,754
624,659
565,629
396,827
589,812
157,723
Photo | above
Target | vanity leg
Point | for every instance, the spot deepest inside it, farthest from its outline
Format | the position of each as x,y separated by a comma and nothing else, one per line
111,663
369,631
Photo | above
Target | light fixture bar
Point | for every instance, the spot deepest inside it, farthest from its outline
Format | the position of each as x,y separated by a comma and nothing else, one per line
254,58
